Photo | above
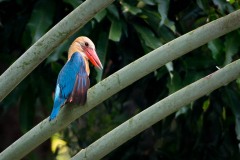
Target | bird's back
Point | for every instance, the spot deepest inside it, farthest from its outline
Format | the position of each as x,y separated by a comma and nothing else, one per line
72,84
79,93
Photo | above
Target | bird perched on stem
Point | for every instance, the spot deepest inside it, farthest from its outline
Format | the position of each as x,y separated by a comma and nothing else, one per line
73,81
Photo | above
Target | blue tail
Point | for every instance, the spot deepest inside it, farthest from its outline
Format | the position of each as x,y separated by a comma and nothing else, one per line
58,102
56,107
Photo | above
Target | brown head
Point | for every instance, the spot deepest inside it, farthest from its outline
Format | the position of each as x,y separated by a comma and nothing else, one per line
86,48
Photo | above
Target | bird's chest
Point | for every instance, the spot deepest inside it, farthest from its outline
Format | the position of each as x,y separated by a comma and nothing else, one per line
87,66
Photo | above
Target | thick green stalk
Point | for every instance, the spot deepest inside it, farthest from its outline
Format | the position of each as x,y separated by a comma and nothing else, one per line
46,44
121,79
158,111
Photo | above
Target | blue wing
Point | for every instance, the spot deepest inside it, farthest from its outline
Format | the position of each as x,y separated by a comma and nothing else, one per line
72,84
79,92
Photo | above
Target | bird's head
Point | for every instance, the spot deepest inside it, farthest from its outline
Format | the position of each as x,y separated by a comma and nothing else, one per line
86,47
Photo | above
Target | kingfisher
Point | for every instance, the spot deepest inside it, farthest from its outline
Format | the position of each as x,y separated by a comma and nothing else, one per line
73,79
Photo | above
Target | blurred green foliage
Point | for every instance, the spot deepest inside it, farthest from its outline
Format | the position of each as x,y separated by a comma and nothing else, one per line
208,128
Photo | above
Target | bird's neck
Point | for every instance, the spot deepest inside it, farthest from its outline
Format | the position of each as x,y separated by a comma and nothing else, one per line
76,48
87,66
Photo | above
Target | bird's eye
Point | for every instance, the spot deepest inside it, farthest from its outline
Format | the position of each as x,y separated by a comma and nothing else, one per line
86,44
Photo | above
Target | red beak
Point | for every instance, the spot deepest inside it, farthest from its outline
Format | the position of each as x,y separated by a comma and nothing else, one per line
93,57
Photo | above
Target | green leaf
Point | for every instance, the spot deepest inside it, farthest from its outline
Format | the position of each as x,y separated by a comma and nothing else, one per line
163,6
237,128
170,25
115,32
203,4
112,9
182,111
152,18
149,2
100,15
165,34
232,99
148,37
160,73
206,105
41,19
216,47
231,46
223,6
169,67
102,45
73,3
199,61
132,9
231,1
175,83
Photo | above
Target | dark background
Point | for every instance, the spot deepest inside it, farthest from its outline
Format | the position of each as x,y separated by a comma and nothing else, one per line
128,29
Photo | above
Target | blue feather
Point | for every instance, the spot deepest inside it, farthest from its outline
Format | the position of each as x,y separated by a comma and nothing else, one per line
58,102
72,84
